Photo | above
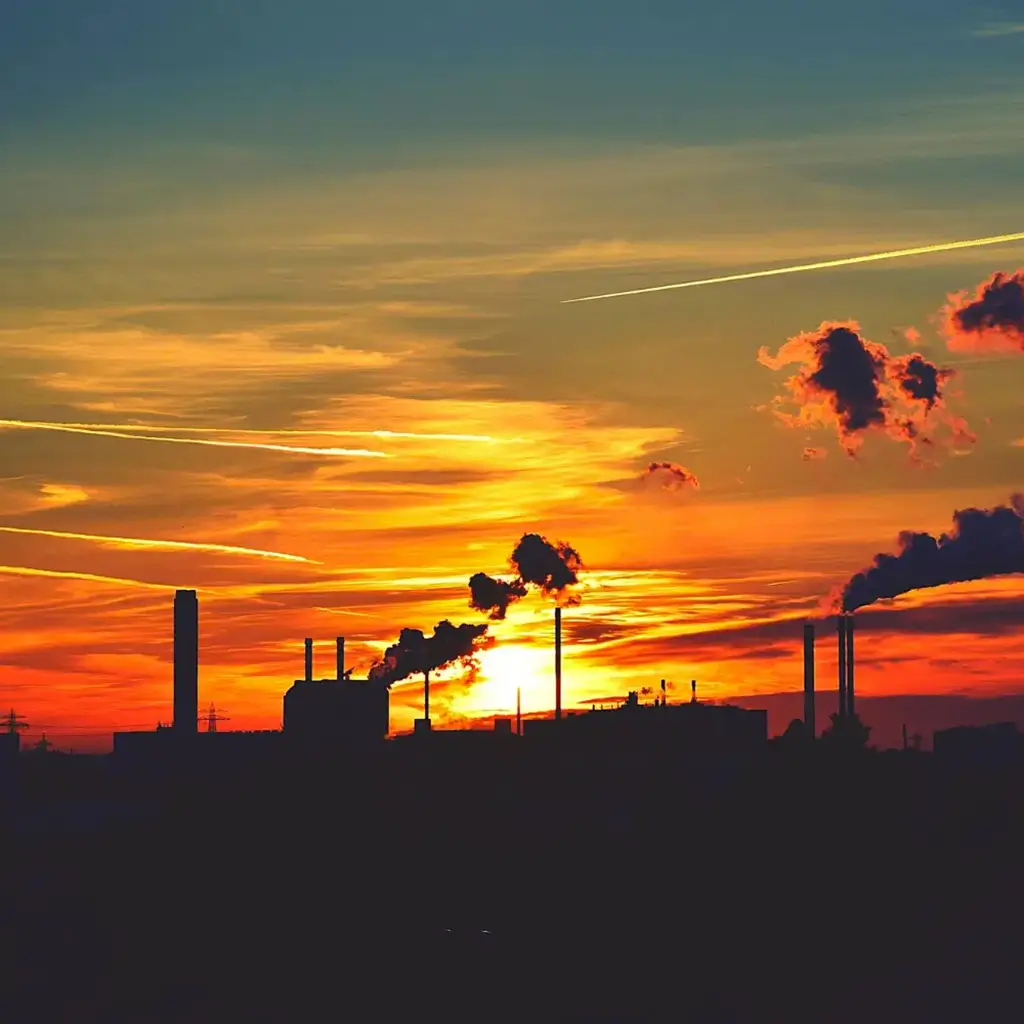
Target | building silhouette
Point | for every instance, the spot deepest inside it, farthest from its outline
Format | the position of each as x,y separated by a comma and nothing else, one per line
186,663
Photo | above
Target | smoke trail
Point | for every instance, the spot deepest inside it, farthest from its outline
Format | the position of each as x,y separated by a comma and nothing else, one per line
416,653
673,476
981,544
857,387
87,577
847,261
990,320
291,449
171,545
551,567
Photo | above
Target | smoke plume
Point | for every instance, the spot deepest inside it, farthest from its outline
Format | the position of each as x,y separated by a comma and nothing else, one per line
856,386
990,320
673,476
982,543
551,567
416,653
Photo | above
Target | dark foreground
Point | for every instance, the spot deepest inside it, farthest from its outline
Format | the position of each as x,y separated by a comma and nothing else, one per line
805,888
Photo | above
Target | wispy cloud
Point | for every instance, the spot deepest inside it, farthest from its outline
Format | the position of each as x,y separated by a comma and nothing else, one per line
994,29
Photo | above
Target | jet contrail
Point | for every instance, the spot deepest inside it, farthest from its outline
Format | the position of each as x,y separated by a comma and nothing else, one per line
290,432
173,545
102,432
826,264
88,577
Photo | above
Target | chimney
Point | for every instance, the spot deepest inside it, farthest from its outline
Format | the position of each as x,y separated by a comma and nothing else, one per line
849,665
340,658
186,662
558,663
809,722
519,711
841,633
309,660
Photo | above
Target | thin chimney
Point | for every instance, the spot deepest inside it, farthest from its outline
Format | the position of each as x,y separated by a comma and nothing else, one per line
809,722
340,656
841,633
426,698
558,663
519,711
849,665
309,659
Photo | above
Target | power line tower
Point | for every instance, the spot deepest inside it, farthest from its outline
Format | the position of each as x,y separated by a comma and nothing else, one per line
14,723
211,718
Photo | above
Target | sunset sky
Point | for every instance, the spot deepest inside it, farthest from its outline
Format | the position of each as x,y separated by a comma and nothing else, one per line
266,226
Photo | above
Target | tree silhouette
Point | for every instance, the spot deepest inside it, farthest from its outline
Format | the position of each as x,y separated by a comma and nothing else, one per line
847,733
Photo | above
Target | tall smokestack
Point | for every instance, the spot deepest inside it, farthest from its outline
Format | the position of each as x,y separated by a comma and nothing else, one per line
841,632
309,660
340,659
186,662
809,722
426,698
519,711
558,663
849,665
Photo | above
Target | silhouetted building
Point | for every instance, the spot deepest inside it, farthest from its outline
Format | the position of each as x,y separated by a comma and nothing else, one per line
979,745
186,663
693,726
333,715
10,744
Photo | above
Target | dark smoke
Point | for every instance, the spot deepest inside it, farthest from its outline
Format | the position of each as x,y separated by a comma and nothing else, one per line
858,387
982,543
991,320
491,595
673,476
551,567
415,653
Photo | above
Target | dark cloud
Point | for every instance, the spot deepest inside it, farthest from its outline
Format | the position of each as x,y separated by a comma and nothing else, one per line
990,320
858,387
552,567
415,653
982,543
673,477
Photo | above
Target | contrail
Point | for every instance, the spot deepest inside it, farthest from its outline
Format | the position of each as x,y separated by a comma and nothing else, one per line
289,432
826,264
21,570
102,432
174,545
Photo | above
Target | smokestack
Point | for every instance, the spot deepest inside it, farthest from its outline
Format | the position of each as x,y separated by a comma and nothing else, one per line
558,663
849,665
809,722
841,633
309,660
340,658
519,711
186,662
426,698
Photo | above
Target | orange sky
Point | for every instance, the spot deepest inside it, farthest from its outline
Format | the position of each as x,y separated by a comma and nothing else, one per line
275,288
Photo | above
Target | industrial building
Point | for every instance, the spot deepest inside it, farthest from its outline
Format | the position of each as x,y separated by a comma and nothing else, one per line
993,745
10,744
693,726
324,715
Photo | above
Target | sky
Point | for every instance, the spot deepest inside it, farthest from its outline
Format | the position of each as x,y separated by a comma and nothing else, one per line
251,224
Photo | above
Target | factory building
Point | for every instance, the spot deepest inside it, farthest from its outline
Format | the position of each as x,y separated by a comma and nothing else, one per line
330,715
982,746
694,726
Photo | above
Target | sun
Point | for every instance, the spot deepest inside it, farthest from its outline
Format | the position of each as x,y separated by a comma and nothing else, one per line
506,667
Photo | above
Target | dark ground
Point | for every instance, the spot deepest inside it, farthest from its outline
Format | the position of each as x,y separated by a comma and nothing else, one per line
818,888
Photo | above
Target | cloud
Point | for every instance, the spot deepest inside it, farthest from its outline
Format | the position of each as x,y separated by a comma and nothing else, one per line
997,29
672,476
990,320
856,386
811,454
